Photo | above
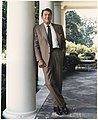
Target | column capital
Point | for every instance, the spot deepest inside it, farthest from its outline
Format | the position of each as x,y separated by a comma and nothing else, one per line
57,3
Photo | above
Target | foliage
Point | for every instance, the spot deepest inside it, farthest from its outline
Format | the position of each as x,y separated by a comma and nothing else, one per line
79,49
36,12
88,29
87,56
3,88
70,62
73,22
79,30
4,24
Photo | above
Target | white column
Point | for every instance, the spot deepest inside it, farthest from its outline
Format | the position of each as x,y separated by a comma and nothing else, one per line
43,5
57,12
21,92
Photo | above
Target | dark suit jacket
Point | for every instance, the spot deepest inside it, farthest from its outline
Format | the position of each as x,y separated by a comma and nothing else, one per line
41,45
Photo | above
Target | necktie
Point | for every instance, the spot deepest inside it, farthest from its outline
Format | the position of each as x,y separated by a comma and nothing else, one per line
49,36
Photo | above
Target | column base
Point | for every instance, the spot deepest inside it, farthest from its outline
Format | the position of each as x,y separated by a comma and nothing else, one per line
12,115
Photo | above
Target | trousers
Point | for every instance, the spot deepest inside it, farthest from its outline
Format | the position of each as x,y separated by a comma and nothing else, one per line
53,77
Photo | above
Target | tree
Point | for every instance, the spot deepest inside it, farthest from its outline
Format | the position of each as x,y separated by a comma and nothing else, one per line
78,30
36,12
88,29
4,24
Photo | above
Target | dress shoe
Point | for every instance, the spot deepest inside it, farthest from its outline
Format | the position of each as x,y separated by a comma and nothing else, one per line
57,110
65,110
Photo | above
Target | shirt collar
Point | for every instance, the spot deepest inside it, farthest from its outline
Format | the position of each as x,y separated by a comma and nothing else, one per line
48,25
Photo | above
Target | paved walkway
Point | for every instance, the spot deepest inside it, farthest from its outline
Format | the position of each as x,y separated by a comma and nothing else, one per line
80,93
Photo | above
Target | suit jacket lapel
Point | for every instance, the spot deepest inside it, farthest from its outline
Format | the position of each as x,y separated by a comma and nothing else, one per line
44,31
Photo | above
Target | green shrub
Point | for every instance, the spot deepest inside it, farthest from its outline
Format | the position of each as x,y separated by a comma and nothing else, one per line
70,62
87,56
80,49
3,88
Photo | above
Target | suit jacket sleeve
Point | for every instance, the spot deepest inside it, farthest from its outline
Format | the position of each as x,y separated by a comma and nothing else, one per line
36,45
63,39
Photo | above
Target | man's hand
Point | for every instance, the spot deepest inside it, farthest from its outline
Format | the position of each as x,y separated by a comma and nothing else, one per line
41,64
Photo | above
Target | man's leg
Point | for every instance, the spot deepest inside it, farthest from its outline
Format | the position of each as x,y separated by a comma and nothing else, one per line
53,77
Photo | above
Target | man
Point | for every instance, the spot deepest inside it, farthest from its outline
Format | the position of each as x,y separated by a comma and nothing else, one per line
49,45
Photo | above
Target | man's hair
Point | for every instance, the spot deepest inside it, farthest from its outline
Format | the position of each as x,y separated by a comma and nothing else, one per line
46,9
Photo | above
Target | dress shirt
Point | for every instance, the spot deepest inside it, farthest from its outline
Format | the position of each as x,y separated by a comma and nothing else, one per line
54,37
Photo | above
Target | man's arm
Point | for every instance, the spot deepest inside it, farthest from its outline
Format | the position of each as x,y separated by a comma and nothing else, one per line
37,50
36,45
63,40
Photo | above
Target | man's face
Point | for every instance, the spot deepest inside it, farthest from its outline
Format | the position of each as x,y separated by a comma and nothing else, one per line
46,17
